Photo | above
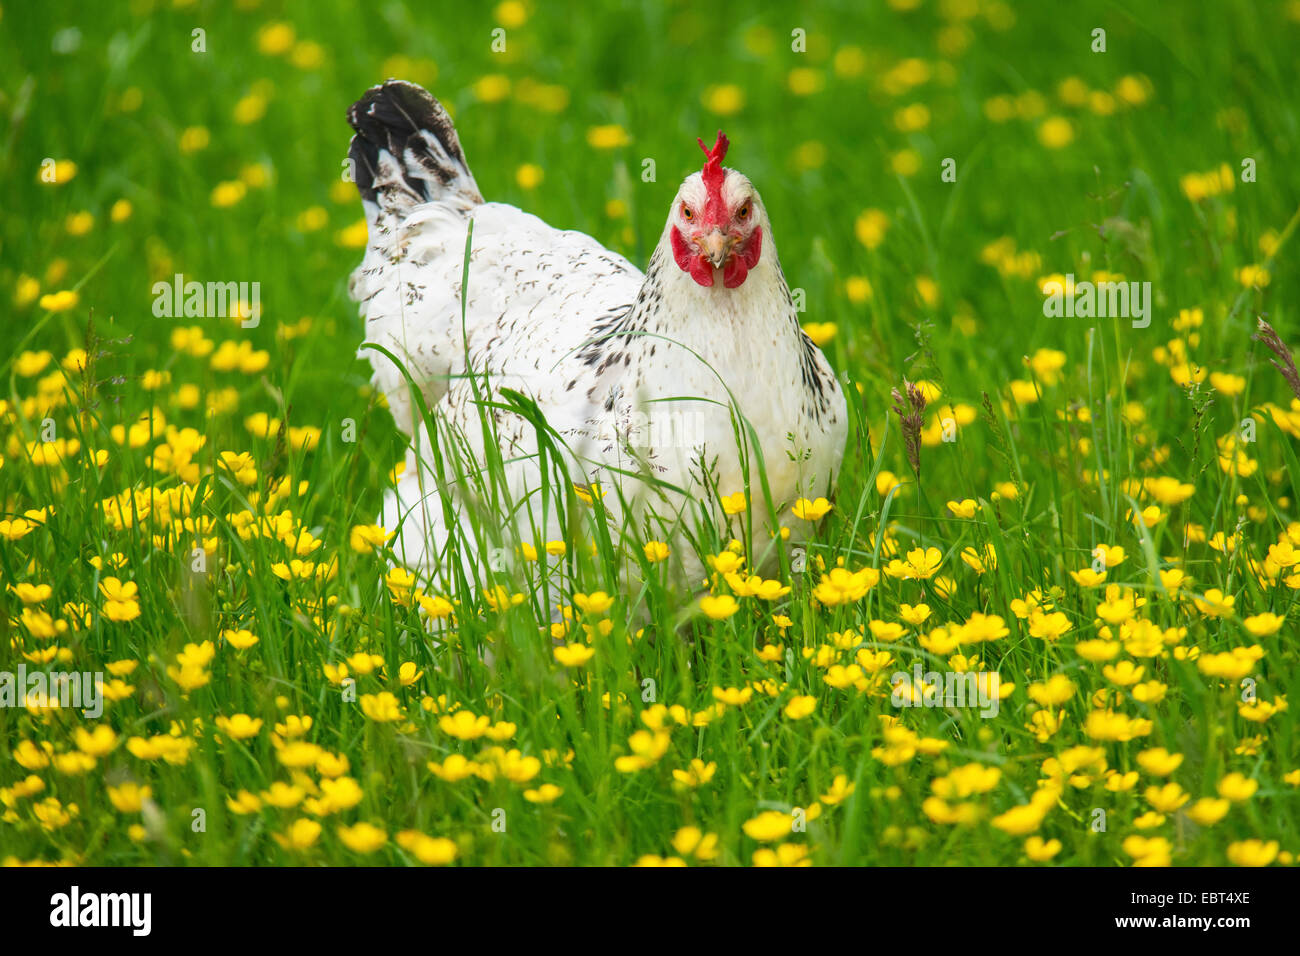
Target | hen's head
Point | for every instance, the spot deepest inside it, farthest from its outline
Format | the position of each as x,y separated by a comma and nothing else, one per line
717,222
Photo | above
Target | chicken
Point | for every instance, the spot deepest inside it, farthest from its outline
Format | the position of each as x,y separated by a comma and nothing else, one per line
640,375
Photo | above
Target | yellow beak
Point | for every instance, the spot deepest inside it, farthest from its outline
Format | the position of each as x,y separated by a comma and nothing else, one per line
715,247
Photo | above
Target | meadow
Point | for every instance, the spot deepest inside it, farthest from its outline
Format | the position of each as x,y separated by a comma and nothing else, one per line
1091,523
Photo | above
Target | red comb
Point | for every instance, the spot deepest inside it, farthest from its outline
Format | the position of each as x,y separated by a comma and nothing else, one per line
713,165
714,210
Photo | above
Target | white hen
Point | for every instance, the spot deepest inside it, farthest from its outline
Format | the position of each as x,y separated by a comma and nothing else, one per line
636,372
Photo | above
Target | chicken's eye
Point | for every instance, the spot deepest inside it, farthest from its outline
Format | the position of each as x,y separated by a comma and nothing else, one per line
743,212
686,212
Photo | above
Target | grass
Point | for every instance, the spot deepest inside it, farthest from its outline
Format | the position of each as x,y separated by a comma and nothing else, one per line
161,476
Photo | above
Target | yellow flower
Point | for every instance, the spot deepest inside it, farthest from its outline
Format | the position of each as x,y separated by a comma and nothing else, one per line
1055,132
62,171
598,602
408,673
275,38
332,765
1159,761
983,627
193,139
365,538
26,290
656,551
129,797
734,504
97,742
1148,851
512,765
29,756
529,176
243,803
298,754
814,510
573,655
842,586
1237,787
784,854
120,604
453,768
768,826
1054,692
339,794
1040,850
492,88
294,726
725,100
840,790
382,707
921,564
29,364
362,663
980,560
240,639
464,725
546,793
434,606
965,508
906,162
511,14
820,332
800,707
610,136
431,851
732,696
1109,556
1168,491
1166,799
696,775
31,593
354,236
1215,603
1108,725
228,193
1097,650
363,837
1252,852
302,834
692,841
1264,625
913,117
60,301
240,726
870,227
858,289
1021,820
1208,811
282,796
1230,665
914,615
1253,275
805,81
1123,673
719,607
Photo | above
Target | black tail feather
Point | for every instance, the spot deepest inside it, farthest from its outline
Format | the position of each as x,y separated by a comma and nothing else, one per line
406,150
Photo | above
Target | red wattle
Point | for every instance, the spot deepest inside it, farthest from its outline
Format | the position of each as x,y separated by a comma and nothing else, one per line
735,272
690,261
738,265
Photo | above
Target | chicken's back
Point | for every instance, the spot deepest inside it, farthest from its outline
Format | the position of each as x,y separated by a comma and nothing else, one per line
535,293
